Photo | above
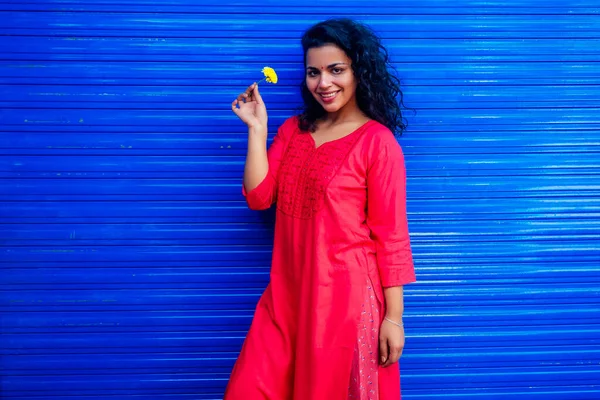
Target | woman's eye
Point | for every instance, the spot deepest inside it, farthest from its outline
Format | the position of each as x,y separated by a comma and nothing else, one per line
311,73
337,70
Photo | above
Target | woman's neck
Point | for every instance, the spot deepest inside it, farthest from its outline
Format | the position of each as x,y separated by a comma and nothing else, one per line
350,112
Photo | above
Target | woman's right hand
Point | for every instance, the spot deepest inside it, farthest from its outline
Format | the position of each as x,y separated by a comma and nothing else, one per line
249,107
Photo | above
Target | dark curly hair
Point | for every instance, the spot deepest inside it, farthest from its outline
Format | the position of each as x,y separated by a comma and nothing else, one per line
378,92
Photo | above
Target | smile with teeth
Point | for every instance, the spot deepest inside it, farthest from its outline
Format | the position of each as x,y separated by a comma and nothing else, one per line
328,95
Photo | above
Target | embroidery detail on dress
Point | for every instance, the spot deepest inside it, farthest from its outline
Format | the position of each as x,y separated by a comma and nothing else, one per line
364,384
305,172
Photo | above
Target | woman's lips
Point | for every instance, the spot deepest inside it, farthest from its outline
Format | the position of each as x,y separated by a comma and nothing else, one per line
329,97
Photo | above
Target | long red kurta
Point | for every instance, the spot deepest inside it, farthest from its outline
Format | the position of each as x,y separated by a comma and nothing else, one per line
341,220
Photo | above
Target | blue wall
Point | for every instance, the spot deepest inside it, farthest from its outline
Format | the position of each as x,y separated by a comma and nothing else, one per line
131,265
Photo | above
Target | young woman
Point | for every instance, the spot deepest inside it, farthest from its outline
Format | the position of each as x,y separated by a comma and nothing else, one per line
329,324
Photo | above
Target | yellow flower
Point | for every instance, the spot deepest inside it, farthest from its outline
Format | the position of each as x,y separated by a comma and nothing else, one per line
270,74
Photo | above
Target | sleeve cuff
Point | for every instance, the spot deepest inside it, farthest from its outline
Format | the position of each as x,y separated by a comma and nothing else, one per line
396,276
259,198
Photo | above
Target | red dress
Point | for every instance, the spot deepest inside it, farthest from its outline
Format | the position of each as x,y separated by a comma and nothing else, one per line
341,234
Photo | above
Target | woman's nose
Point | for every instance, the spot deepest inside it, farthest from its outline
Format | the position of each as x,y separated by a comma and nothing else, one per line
325,81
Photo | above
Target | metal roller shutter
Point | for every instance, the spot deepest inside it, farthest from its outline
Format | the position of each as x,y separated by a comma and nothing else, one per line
131,265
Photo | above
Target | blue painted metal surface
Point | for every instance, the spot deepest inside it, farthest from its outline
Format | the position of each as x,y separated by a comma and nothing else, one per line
131,266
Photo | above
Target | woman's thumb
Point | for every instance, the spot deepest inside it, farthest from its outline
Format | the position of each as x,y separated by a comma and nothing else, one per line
383,350
256,94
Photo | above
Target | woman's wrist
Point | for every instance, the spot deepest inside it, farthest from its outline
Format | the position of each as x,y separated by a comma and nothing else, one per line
395,316
257,140
398,323
394,299
257,130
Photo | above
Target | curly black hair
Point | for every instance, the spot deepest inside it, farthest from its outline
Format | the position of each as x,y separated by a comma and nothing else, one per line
378,92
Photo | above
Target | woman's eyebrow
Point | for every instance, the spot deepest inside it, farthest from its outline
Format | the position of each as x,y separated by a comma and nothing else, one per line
329,66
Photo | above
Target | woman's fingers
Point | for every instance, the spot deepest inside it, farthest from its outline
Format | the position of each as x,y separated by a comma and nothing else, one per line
390,350
390,356
257,96
249,95
383,350
394,356
234,106
246,94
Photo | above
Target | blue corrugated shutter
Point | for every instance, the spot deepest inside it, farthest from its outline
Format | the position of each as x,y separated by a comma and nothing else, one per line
131,266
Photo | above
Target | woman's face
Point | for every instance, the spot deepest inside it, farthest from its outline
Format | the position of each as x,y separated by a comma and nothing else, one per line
329,77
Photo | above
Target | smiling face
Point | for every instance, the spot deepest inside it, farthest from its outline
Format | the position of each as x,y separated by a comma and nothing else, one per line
329,78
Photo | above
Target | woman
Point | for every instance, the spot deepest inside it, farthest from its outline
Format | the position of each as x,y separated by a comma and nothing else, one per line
329,324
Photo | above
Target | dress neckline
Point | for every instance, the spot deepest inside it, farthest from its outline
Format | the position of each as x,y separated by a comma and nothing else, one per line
314,143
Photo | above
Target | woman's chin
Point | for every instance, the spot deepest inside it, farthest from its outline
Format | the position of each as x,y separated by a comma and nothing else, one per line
329,107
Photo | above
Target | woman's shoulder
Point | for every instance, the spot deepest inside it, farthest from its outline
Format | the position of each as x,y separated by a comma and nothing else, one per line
288,127
291,122
380,139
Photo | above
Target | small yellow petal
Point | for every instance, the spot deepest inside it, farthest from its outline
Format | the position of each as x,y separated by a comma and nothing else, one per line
270,74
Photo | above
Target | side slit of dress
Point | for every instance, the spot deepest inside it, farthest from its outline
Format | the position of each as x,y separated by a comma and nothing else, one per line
363,379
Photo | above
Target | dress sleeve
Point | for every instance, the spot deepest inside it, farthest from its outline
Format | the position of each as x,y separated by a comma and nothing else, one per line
265,194
386,213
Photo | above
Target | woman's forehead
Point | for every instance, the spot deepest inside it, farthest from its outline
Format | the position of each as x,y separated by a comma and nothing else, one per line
322,57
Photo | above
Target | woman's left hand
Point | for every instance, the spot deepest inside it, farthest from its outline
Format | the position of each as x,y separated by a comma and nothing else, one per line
391,343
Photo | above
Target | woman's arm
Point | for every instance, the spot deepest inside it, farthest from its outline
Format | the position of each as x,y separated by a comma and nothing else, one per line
260,171
394,300
387,219
257,163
